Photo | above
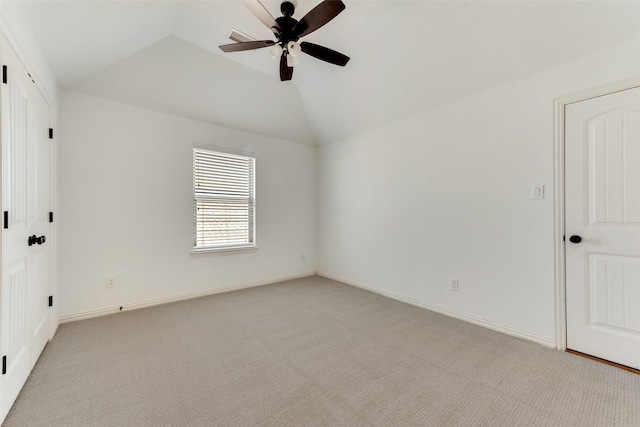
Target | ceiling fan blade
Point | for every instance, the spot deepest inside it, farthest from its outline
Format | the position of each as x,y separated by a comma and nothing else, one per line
318,16
263,15
286,72
324,53
236,47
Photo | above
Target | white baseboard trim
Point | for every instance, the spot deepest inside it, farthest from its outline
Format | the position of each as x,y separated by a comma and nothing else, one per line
150,303
518,333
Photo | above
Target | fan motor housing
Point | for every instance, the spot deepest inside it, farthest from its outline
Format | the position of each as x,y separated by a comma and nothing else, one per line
287,35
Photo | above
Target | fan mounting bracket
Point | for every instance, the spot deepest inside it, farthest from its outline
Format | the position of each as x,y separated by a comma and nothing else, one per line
287,8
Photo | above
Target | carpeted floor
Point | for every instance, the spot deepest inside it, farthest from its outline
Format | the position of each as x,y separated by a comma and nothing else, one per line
311,352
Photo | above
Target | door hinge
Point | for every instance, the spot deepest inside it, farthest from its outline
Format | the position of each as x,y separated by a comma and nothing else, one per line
50,133
563,238
4,74
50,216
4,365
6,219
50,300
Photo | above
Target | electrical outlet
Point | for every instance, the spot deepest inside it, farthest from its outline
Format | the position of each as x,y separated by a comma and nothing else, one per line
111,282
455,285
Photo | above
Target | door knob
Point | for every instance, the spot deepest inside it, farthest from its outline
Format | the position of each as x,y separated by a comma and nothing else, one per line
575,239
36,240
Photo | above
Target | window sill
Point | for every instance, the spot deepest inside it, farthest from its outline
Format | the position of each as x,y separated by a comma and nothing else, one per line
201,253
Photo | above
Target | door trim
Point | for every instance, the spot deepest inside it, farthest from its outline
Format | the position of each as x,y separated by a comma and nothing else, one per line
559,203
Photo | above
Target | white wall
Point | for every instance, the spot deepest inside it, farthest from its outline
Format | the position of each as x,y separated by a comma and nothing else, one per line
445,194
126,207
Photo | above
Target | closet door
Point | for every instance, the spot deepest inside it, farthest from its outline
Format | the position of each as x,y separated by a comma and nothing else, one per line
26,178
602,194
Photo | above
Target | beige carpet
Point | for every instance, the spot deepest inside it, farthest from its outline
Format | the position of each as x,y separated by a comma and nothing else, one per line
311,352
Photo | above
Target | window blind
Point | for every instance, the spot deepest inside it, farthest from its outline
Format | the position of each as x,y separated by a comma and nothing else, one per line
223,202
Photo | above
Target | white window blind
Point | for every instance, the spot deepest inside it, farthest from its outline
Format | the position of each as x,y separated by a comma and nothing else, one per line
223,202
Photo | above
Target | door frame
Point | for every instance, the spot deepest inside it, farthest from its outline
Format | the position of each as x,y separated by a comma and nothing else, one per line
559,199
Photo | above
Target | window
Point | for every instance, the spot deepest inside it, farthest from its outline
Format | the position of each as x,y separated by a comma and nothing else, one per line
223,200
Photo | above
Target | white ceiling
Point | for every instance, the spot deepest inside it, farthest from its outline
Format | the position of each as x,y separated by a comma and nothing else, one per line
406,57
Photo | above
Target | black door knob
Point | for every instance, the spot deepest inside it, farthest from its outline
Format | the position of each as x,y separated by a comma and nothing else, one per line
36,240
575,239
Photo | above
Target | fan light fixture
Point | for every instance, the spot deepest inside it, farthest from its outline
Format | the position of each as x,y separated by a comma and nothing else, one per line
294,49
276,52
291,60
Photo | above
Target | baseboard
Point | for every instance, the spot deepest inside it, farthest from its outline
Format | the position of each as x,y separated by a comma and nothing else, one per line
548,342
150,303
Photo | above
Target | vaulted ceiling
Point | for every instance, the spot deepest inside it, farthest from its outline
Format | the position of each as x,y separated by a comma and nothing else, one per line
406,57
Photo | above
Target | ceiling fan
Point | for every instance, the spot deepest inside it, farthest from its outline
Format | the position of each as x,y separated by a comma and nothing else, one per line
288,31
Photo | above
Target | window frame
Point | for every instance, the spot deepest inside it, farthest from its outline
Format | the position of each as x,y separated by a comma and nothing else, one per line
250,245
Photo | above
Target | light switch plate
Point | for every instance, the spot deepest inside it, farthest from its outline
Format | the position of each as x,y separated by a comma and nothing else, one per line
537,192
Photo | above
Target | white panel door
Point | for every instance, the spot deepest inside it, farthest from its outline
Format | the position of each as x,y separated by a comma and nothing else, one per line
24,312
602,196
